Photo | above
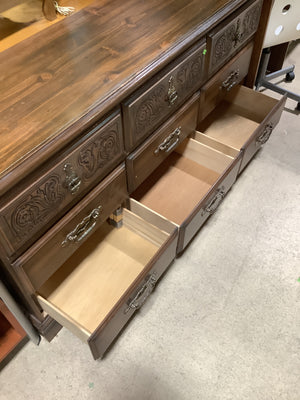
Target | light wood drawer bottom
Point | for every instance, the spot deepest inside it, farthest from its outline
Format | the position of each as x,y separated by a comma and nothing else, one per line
98,289
188,186
244,120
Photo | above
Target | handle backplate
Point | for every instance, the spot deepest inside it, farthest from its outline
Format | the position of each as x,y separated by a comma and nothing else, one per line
212,206
72,182
231,80
142,294
265,135
172,95
170,142
83,228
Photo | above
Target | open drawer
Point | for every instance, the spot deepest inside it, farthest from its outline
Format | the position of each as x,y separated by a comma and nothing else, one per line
109,277
243,120
188,186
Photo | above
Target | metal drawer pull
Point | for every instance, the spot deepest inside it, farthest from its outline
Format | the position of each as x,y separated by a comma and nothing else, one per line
170,142
215,202
73,181
83,228
172,95
265,135
142,294
231,81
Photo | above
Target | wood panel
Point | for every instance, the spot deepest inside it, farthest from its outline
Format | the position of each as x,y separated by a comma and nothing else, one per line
11,332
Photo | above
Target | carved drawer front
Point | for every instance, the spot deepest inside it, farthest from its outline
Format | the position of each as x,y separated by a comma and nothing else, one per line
243,121
232,34
101,286
142,162
47,254
189,185
29,213
224,81
150,106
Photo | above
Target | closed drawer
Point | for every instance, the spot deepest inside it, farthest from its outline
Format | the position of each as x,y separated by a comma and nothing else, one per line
42,259
27,215
232,34
150,154
244,121
150,106
100,287
189,185
224,81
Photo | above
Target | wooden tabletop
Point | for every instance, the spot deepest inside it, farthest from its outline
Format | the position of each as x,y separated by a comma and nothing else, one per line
61,80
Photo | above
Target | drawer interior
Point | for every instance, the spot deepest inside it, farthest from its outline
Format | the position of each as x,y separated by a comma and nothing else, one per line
177,186
235,119
87,288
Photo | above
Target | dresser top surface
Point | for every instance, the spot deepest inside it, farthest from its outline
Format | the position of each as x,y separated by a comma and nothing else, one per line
59,81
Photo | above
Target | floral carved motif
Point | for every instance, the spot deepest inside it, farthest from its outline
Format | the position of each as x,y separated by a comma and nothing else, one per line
98,153
150,110
236,34
190,74
36,208
224,45
251,20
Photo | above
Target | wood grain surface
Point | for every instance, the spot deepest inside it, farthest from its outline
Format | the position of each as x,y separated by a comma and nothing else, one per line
62,79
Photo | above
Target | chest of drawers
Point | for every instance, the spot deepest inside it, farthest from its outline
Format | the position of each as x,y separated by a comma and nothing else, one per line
127,137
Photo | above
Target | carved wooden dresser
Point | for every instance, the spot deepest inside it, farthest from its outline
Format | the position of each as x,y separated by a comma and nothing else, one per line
123,126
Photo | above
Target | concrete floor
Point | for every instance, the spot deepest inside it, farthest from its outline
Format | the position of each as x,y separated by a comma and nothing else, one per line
223,323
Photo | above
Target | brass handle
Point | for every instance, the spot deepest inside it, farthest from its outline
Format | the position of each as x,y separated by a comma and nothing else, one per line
170,142
215,202
172,95
142,294
73,181
83,228
231,80
265,135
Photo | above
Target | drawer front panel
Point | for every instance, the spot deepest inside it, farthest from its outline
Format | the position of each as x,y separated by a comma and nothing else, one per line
148,108
102,338
228,77
262,134
29,214
231,36
146,158
209,205
61,241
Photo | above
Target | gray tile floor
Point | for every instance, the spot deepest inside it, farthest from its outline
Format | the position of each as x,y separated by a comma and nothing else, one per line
224,322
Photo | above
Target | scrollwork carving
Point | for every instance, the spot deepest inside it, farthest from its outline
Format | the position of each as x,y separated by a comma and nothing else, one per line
190,74
150,110
98,153
224,44
36,208
251,20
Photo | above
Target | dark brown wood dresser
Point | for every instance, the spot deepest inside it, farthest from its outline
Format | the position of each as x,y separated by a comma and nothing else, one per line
123,126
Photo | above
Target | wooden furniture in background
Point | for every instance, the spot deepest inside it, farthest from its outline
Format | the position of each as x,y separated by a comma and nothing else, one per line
133,126
11,332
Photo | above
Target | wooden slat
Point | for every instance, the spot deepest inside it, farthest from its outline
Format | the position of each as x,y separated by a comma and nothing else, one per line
205,156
